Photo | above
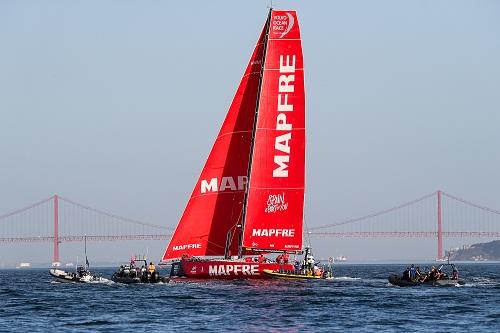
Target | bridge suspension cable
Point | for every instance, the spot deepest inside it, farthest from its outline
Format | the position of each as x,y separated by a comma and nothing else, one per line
369,216
114,217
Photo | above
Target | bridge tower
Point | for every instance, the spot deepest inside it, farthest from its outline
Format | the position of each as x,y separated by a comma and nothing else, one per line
440,227
56,229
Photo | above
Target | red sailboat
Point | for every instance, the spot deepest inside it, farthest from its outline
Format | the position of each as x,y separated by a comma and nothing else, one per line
249,198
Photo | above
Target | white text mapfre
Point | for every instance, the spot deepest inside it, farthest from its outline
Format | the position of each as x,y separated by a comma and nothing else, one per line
186,246
236,269
225,184
273,232
284,129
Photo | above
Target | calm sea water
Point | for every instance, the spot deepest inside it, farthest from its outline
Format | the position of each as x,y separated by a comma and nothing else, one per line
358,299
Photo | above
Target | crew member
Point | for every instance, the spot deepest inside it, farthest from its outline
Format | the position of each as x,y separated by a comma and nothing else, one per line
286,257
296,265
406,274
439,275
279,259
317,271
413,272
432,274
151,268
310,263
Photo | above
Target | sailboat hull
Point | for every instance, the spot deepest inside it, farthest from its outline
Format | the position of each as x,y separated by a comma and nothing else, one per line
228,269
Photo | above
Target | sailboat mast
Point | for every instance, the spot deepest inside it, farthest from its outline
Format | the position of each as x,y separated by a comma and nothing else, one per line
252,143
86,260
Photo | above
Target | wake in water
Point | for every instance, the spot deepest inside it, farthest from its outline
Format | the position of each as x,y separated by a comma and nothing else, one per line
346,278
102,281
481,282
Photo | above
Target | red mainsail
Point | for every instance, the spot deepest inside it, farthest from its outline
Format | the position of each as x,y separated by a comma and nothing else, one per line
275,204
213,212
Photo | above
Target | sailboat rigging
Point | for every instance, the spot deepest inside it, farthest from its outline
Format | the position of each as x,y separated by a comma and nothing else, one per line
249,198
87,264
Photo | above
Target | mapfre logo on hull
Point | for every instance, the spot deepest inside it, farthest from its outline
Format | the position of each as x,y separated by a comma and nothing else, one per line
233,269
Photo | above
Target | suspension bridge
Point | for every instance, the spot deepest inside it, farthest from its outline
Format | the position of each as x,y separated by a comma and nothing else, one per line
437,215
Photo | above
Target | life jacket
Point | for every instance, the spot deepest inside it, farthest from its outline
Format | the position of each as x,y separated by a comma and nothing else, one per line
151,268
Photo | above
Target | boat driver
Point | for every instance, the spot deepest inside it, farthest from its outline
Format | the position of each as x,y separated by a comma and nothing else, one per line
310,263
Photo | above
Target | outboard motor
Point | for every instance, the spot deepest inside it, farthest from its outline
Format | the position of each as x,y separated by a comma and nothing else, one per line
176,269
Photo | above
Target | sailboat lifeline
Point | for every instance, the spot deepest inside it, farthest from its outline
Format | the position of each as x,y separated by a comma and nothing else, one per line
249,197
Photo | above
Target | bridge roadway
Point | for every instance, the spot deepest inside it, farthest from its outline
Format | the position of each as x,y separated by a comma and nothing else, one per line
363,234
97,238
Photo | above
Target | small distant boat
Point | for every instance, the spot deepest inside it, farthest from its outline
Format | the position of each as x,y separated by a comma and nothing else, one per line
132,273
24,265
398,281
444,280
80,275
341,258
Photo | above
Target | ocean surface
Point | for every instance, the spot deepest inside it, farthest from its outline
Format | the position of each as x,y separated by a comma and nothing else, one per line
358,299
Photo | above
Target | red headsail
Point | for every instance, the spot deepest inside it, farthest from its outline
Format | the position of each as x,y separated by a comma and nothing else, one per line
274,214
214,210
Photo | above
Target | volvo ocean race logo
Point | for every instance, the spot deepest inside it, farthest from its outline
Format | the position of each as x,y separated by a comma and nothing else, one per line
276,203
282,24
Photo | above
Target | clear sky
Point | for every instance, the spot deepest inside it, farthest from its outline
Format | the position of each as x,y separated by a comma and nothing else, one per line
115,104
